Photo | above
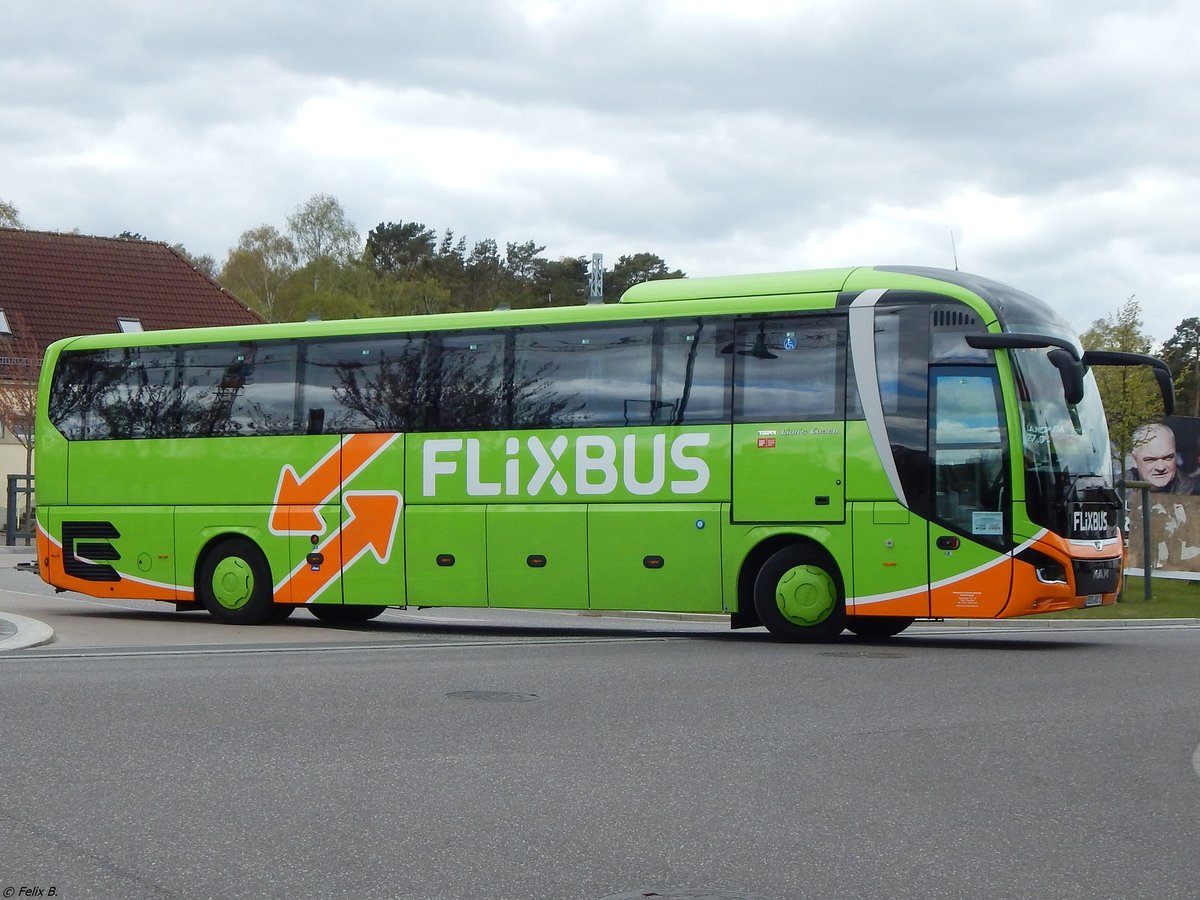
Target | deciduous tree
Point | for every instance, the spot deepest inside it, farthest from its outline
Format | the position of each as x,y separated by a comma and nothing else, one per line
204,262
327,289
404,269
9,216
258,268
1130,395
320,228
20,365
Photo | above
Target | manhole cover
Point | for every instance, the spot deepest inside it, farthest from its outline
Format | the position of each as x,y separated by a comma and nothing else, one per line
683,894
493,696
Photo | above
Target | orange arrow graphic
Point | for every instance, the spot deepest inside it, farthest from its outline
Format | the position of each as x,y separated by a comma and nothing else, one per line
298,499
370,526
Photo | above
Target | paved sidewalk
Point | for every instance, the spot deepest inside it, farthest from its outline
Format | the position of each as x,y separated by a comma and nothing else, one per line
19,632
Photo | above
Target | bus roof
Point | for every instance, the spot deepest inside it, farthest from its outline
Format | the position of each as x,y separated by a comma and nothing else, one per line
771,283
713,295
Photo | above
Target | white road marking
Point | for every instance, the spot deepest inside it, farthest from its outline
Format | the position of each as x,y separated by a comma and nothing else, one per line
1196,761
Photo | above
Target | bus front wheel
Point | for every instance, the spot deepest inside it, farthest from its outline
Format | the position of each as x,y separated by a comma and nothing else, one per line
234,583
798,597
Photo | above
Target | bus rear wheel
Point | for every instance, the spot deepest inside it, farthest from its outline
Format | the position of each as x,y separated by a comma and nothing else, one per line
345,615
234,583
798,597
877,628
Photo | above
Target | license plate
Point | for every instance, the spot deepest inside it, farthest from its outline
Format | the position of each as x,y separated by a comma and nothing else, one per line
1093,600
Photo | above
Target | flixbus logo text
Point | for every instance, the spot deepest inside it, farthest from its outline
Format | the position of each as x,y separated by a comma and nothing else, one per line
1089,520
559,465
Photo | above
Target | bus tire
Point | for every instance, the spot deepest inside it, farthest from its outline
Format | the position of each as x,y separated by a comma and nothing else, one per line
877,628
234,583
333,614
798,595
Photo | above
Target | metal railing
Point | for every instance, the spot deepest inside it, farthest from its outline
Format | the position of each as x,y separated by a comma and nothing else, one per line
1144,487
19,486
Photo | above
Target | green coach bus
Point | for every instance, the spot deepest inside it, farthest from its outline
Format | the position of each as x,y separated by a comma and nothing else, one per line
809,451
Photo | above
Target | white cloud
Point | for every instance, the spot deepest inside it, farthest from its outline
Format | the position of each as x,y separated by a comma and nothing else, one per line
1057,144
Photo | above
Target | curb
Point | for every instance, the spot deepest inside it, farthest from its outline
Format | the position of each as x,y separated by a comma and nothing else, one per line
1017,621
664,615
24,632
1047,622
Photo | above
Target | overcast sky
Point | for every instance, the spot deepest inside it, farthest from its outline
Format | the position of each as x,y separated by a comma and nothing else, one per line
1055,145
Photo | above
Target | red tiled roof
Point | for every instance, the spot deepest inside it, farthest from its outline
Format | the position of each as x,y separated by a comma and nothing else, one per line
62,285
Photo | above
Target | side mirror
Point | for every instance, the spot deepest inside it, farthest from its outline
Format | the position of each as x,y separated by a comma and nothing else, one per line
1071,372
1166,384
1162,372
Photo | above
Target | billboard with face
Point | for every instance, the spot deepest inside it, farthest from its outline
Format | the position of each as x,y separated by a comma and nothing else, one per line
1166,457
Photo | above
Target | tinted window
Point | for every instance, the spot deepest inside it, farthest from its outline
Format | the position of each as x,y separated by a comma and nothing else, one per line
467,382
789,369
238,389
665,373
115,394
365,384
902,357
970,463
694,372
79,380
584,377
143,403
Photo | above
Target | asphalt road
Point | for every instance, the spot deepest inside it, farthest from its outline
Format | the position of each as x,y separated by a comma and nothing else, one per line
553,757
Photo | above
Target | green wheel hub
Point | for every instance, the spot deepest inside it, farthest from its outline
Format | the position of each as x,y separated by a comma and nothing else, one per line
233,582
806,595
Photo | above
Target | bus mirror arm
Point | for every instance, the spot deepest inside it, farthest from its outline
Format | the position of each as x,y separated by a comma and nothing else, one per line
1063,356
1016,341
1072,366
1162,372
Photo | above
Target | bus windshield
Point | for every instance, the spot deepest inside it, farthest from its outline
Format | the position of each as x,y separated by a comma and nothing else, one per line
1060,443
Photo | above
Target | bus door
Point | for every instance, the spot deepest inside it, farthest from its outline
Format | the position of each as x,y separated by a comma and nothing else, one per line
970,561
367,547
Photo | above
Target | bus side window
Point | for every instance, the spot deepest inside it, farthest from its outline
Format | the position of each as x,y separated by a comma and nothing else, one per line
142,401
789,369
693,380
372,383
83,380
467,375
238,389
267,401
619,371
583,377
